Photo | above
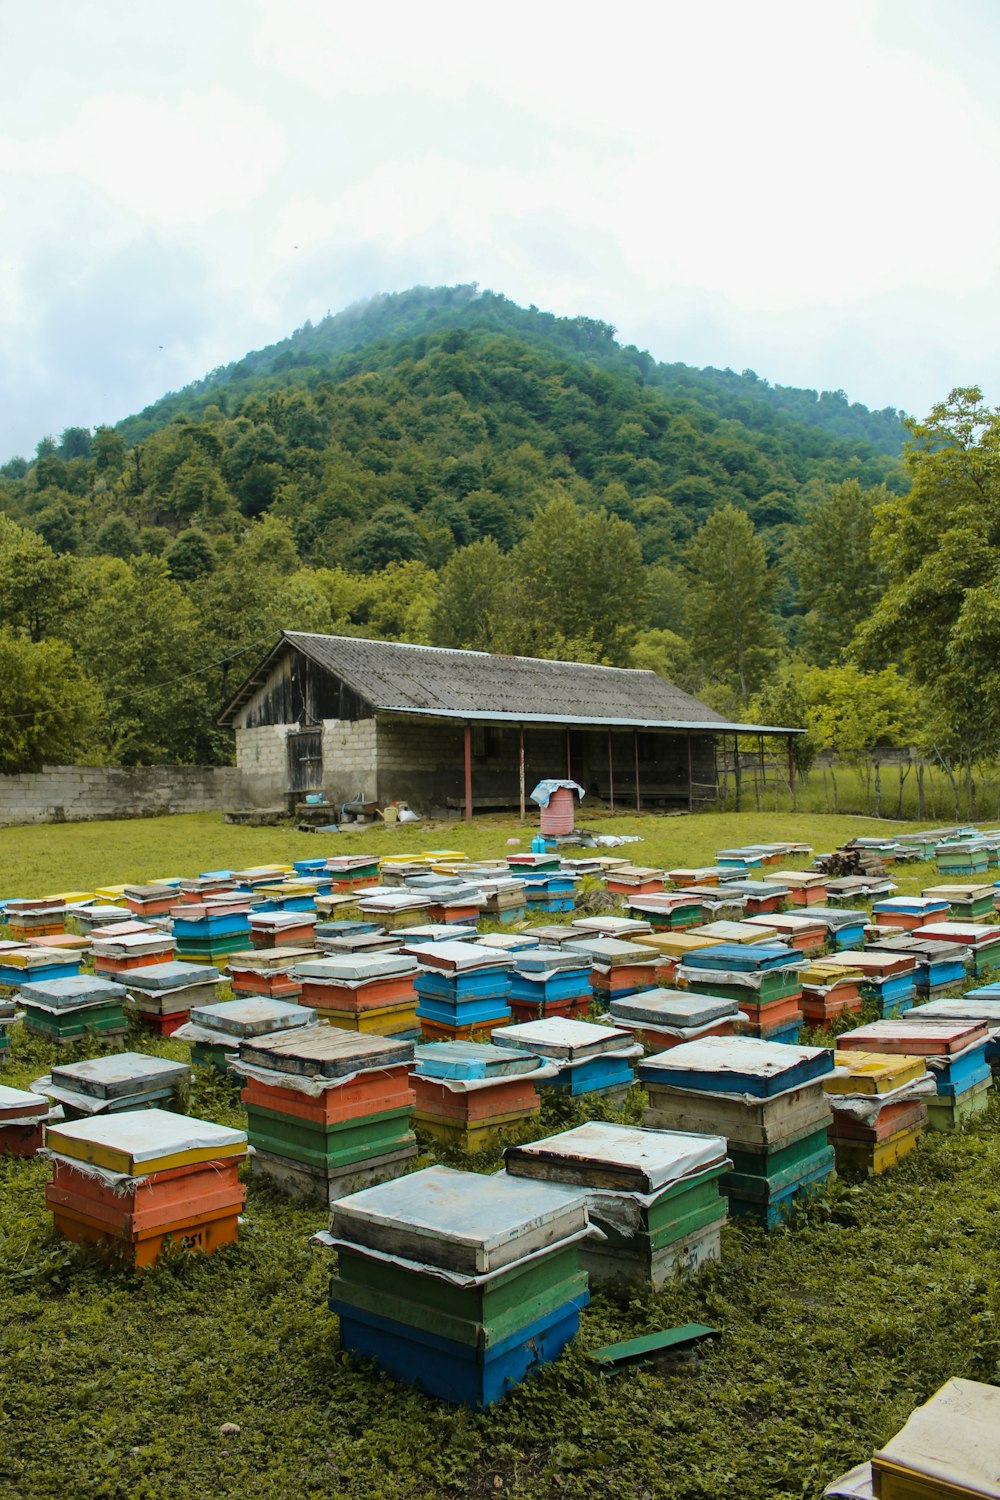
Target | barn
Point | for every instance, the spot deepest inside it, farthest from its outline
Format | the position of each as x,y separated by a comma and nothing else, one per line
459,731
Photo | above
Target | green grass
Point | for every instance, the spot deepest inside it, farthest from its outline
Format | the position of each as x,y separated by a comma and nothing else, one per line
42,859
115,1386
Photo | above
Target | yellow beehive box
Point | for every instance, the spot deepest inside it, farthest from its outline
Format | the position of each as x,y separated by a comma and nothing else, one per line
138,1141
873,1073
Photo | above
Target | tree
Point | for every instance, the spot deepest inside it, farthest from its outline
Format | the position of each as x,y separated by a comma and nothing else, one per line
729,603
191,556
475,605
392,535
141,639
854,714
581,583
37,589
839,581
48,705
668,654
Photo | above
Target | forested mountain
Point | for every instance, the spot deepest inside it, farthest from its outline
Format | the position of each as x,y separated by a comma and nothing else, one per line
437,465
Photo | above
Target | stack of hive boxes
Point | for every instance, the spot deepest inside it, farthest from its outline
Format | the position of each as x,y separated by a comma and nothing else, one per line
764,978
207,932
617,968
909,912
286,929
962,857
215,1031
64,1010
506,898
392,908
766,1099
162,995
23,1116
660,1019
457,1283
955,1054
806,934
117,951
463,991
468,1092
939,967
802,887
108,1085
8,1015
138,1181
981,1004
328,1110
146,901
352,872
879,1107
830,990
22,963
549,891
549,982
454,903
37,918
670,949
844,928
673,911
635,880
654,1194
368,992
980,940
887,978
268,971
588,1059
759,897
967,903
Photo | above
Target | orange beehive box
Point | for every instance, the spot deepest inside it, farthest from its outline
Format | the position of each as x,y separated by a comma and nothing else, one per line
624,977
105,965
370,1093
661,1041
774,1014
274,984
908,1114
504,1097
203,1234
177,1187
327,994
666,973
124,1218
443,1031
537,1010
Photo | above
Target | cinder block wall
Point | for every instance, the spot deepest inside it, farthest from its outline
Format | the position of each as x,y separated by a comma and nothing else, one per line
262,760
349,760
81,793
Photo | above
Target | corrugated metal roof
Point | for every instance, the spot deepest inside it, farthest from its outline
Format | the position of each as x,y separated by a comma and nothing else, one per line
397,677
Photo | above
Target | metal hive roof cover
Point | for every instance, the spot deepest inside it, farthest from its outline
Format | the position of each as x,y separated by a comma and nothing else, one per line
433,680
325,1052
464,1220
252,1016
659,1157
121,1073
677,1008
556,1036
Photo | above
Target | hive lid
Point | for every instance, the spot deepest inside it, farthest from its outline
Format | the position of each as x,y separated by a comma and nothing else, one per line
558,1037
543,960
460,1059
120,1074
672,1008
352,966
599,1151
454,957
952,1443
17,1103
461,1221
74,990
254,1015
325,1052
171,976
738,1065
145,1140
933,1038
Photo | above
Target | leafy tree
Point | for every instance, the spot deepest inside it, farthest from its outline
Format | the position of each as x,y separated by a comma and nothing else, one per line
667,654
198,491
191,556
118,537
854,714
75,443
58,526
581,581
839,583
48,706
476,600
37,587
729,603
392,535
142,641
108,451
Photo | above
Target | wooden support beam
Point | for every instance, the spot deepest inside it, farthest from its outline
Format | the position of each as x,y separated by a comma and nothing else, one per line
611,771
468,773
520,759
791,767
569,763
635,742
690,775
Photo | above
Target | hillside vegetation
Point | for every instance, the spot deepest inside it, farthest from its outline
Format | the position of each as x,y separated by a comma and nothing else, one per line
445,466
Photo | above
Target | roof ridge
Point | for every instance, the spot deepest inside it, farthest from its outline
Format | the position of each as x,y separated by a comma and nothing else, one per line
555,661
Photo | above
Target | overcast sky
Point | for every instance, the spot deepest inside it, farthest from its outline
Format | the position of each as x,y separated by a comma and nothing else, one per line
807,189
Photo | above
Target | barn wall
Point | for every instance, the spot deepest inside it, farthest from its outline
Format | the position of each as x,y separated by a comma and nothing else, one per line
296,691
349,767
262,760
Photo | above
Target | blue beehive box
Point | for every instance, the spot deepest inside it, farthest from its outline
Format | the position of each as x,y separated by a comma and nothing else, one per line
738,1065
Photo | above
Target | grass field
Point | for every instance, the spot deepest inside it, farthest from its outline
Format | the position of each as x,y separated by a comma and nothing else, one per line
115,1386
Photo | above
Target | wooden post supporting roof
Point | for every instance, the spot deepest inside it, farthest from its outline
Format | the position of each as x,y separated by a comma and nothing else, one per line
468,773
690,776
611,771
569,764
520,760
635,741
791,768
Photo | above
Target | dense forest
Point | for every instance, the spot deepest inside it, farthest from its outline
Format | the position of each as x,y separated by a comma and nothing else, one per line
444,465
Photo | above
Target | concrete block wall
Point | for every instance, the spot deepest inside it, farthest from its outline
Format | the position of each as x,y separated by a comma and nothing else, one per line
349,760
81,793
423,764
262,759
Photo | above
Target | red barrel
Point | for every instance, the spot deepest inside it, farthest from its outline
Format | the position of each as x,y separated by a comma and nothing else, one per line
559,816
